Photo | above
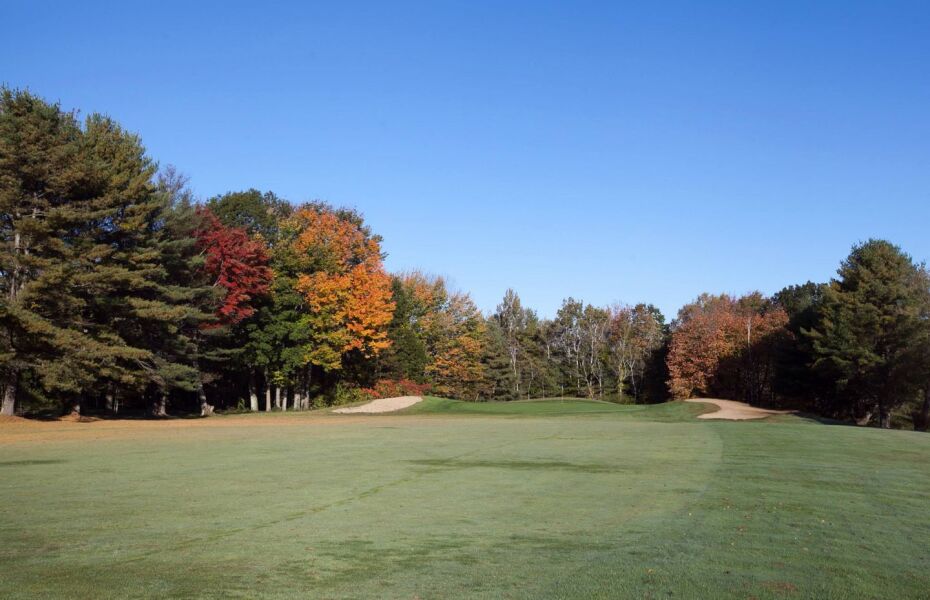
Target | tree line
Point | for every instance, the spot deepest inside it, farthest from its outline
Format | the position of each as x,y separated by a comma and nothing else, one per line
122,293
856,348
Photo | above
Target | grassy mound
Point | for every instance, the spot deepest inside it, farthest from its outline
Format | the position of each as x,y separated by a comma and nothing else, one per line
553,407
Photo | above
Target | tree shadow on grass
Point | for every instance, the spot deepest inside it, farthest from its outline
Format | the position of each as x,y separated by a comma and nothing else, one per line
92,415
23,463
806,416
519,465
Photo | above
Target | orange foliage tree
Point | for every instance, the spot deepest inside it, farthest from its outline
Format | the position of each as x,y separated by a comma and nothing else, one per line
344,284
726,346
452,330
457,342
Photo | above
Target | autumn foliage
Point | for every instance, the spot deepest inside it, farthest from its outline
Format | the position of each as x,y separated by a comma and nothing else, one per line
235,263
120,289
346,289
393,388
724,346
453,332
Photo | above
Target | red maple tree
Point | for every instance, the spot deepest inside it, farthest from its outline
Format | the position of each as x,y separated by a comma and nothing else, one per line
236,263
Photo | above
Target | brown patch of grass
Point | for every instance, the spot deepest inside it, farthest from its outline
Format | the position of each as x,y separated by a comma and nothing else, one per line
783,587
18,429
77,418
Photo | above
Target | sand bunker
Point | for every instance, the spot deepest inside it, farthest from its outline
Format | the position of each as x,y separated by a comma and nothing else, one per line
382,405
736,411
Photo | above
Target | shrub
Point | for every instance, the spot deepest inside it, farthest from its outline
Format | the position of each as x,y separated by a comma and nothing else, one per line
346,393
392,388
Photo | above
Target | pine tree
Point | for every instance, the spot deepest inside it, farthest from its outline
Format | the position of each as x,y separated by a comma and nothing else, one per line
869,331
498,381
795,381
40,169
187,290
407,356
79,211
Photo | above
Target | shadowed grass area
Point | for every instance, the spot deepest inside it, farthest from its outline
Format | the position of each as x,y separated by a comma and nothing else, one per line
519,465
560,499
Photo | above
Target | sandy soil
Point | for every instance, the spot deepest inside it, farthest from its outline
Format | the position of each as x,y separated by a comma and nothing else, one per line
736,411
382,405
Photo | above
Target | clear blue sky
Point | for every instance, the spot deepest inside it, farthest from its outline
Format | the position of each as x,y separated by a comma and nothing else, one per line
613,152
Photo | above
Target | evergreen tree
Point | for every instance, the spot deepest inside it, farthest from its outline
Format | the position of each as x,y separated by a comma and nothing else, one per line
80,261
40,168
869,331
179,302
796,383
407,357
498,382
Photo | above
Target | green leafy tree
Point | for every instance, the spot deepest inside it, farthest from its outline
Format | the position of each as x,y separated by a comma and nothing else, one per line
519,326
265,341
258,213
634,335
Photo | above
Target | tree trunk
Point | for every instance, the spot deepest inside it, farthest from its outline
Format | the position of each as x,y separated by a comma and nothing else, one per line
307,379
253,395
298,400
884,416
267,392
160,406
112,400
922,422
9,395
277,397
284,400
206,409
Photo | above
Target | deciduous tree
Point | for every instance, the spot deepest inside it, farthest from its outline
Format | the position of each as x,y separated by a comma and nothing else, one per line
234,263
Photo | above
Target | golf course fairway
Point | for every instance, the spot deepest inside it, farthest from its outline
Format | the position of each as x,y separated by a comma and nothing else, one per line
446,499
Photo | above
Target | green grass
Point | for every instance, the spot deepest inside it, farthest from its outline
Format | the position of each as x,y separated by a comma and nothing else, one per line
557,499
553,407
544,407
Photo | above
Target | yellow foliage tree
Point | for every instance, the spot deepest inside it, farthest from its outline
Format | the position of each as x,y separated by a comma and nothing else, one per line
453,330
